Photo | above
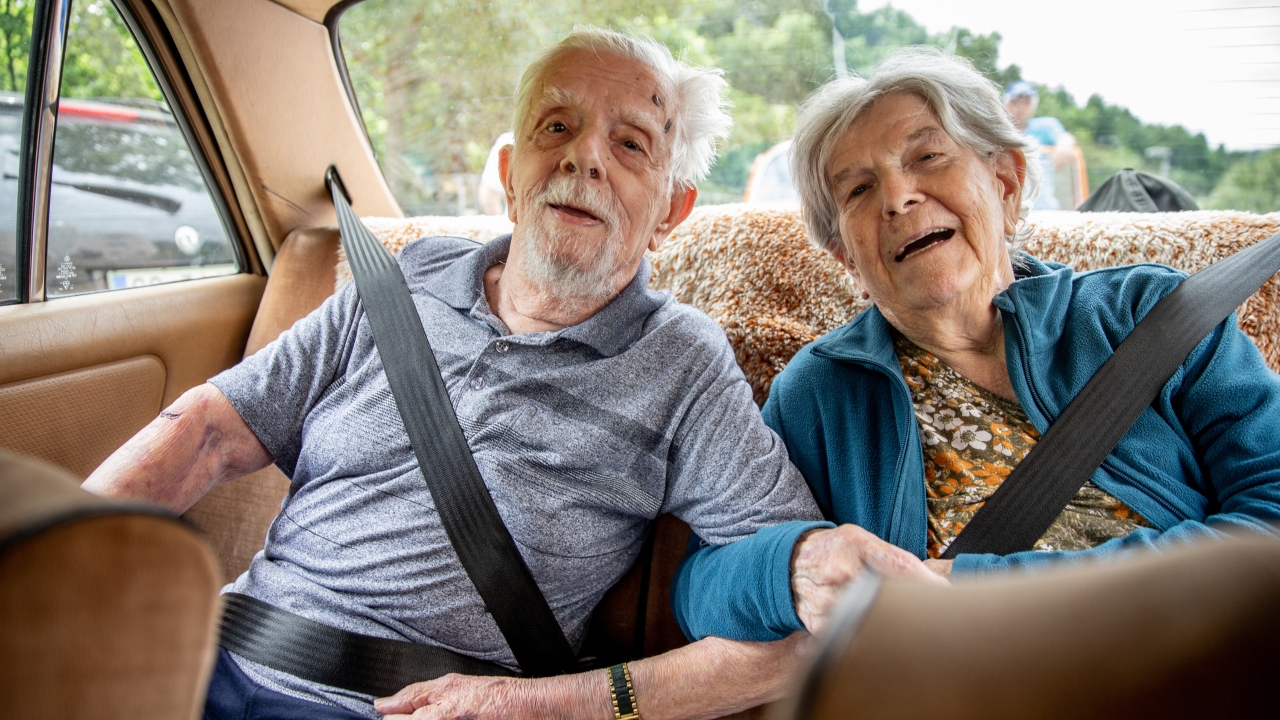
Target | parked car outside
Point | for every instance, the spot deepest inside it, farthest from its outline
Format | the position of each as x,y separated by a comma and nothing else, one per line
127,204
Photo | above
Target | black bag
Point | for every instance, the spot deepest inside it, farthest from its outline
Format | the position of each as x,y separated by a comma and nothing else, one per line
1135,191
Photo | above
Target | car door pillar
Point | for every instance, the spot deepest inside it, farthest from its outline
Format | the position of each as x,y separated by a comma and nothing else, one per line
44,85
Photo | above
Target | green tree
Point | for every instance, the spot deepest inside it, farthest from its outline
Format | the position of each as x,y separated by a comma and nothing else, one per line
1252,183
102,60
15,38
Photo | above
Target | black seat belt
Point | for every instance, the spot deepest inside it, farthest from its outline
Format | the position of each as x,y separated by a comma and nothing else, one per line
466,510
1019,512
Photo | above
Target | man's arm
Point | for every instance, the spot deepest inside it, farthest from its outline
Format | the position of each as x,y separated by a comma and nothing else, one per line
708,679
196,444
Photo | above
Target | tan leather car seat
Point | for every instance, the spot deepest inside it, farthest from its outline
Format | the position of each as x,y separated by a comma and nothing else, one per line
106,610
1187,634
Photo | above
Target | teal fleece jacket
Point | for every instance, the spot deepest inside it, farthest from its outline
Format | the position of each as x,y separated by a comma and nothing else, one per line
1205,457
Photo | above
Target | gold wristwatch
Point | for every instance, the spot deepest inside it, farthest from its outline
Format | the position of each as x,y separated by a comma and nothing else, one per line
622,693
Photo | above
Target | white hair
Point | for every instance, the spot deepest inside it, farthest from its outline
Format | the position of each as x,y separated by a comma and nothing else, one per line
699,109
967,104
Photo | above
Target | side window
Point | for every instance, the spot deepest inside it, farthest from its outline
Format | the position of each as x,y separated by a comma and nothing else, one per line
128,205
15,46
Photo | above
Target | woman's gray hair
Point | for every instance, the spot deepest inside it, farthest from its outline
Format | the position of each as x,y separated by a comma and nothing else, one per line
967,104
699,109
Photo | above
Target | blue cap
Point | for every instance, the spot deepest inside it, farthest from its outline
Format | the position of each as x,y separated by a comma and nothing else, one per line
1020,88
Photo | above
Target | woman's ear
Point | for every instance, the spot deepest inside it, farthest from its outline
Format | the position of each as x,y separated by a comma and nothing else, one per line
1011,171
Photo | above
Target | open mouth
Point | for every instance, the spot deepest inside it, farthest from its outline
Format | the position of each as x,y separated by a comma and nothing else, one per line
576,212
925,242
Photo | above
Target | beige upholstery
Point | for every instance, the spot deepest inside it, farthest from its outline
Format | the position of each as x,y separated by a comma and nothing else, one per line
105,611
1190,633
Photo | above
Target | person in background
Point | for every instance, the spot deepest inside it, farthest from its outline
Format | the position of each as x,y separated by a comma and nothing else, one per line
1057,146
492,196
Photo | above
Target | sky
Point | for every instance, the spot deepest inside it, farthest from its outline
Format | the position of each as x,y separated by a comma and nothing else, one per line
1212,66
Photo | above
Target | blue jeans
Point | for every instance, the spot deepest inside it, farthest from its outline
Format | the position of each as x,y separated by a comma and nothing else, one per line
233,696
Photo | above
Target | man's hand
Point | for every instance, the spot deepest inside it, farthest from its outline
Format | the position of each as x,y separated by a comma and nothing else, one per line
825,560
461,696
710,678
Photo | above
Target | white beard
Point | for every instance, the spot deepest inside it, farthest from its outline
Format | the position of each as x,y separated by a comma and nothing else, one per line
552,251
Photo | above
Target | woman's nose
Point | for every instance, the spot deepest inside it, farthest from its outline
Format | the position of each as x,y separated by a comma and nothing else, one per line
899,194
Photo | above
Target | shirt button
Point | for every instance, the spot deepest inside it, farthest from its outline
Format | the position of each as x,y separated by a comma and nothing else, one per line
502,346
477,383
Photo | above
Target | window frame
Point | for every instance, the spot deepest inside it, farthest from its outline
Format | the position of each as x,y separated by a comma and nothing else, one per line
51,20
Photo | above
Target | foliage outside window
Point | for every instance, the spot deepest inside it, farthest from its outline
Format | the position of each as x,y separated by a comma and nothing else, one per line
435,85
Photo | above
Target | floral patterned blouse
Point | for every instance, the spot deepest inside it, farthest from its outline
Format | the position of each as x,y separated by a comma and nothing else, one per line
972,440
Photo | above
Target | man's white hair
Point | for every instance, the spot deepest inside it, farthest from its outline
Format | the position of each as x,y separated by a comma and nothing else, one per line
700,116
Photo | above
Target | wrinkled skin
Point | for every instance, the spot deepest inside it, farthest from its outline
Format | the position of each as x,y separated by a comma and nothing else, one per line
825,561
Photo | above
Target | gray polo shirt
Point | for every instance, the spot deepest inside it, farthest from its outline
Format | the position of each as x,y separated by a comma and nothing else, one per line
582,436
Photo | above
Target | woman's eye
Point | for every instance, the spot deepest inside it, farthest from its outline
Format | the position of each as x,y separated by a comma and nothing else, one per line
556,127
857,190
631,145
928,156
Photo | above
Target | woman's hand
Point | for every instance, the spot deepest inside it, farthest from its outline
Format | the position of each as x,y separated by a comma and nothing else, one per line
824,561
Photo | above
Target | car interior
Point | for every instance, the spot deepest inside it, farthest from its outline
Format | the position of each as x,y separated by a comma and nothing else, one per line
261,94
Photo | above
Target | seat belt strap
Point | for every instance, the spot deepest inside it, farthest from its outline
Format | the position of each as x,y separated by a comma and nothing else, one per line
279,639
1025,505
470,519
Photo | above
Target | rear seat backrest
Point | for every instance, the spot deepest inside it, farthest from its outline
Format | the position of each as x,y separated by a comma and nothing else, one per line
753,271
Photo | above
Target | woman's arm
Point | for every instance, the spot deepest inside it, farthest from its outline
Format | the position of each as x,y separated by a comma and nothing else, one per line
707,679
196,444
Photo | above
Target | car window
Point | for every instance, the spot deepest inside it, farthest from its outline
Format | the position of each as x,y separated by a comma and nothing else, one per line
128,205
15,42
435,81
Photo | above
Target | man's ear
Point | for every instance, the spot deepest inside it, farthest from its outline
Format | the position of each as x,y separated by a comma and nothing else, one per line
682,199
1011,171
504,173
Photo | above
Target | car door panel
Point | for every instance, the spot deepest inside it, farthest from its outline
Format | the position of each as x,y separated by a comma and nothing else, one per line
89,411
79,375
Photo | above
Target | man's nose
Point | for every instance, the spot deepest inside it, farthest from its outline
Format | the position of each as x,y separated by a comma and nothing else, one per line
899,193
586,156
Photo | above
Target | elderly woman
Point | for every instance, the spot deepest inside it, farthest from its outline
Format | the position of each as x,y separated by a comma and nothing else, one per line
905,420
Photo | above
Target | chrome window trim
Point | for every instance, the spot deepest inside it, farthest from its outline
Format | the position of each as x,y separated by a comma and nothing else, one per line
41,169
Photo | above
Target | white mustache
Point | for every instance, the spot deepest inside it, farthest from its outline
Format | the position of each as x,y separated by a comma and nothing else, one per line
564,190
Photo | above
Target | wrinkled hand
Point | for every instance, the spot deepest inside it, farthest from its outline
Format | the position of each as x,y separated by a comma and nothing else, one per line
825,560
456,696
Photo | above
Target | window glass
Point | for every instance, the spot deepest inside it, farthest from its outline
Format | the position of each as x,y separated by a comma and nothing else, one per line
15,46
127,204
435,83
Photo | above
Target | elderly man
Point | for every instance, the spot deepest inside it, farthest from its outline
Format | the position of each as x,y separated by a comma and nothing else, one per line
590,403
